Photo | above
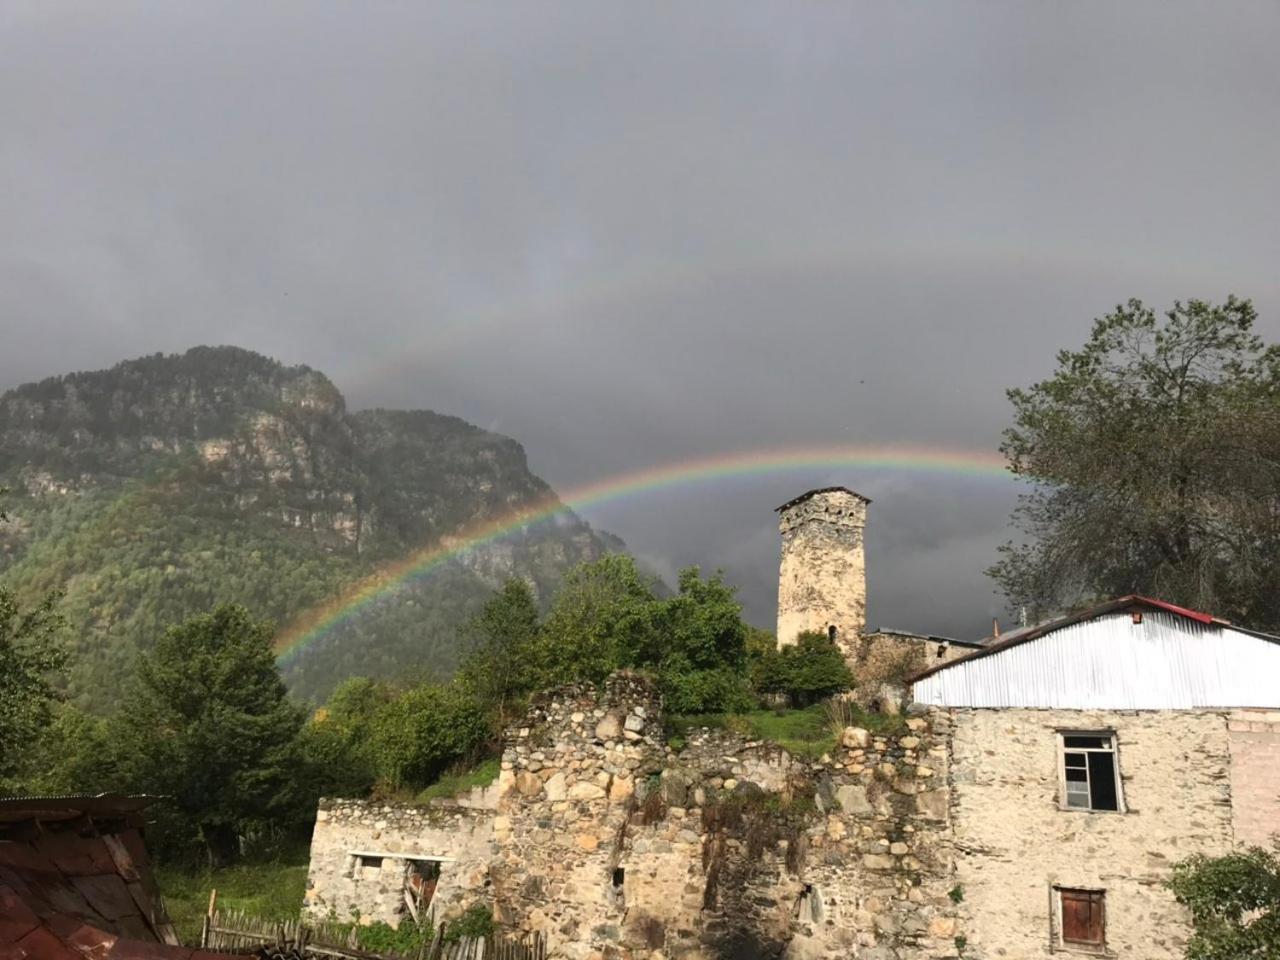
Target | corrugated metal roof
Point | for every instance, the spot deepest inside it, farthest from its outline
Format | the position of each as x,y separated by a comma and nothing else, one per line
813,493
1166,661
1129,602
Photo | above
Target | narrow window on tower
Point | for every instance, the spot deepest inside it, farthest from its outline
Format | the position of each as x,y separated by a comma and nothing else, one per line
1089,771
831,632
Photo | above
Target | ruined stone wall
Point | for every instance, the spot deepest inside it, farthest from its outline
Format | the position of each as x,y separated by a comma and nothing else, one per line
822,573
1014,842
882,660
344,882
1255,775
738,850
569,778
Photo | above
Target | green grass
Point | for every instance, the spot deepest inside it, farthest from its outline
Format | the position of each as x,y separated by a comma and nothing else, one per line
806,733
454,783
802,733
272,891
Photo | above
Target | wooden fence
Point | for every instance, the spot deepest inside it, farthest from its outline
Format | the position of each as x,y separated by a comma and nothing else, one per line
237,932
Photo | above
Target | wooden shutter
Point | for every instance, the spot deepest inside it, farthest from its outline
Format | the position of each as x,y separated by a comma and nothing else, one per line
1083,916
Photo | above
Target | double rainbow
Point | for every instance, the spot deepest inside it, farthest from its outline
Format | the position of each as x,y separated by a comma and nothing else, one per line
315,623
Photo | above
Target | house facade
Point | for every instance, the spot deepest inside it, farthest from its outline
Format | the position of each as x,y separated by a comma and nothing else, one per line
1089,755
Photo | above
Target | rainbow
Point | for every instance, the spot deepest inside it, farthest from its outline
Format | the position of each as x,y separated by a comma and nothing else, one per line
315,623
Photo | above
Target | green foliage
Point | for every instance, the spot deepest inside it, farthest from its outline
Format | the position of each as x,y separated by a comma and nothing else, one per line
452,784
606,616
501,668
271,891
337,744
403,940
1155,455
802,733
207,722
1235,904
476,922
31,655
811,669
425,730
603,616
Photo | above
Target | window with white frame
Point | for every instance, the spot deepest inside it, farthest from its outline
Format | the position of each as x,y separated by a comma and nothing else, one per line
1089,770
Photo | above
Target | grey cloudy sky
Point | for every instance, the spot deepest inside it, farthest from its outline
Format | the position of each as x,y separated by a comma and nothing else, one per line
628,234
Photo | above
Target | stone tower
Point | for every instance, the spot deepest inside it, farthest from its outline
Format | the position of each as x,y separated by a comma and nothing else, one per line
822,578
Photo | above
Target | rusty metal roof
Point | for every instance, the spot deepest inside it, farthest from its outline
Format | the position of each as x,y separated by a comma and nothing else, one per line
76,884
13,809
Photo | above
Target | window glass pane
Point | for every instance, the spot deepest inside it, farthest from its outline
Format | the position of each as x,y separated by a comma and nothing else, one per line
1077,776
1078,795
1103,794
1074,760
1082,742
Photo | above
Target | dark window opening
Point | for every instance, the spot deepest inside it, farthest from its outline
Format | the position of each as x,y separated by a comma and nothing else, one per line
370,863
831,632
942,651
1083,917
1089,772
420,884
619,876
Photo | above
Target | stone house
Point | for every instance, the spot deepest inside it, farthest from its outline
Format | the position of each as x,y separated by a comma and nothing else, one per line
1091,753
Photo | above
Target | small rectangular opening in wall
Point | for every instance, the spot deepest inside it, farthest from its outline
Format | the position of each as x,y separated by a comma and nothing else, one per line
619,877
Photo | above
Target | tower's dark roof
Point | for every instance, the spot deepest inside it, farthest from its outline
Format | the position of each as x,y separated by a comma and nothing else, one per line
805,496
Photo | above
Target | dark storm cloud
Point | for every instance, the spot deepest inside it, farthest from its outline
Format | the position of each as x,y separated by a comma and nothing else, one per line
630,234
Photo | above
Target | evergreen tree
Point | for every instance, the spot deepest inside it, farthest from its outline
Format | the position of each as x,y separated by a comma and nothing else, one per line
208,723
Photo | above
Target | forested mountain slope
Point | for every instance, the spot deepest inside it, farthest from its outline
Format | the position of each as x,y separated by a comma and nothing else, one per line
152,490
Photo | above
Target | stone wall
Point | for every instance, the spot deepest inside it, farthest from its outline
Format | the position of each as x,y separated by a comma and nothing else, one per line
616,846
884,658
1255,775
350,835
944,838
1014,842
736,849
822,578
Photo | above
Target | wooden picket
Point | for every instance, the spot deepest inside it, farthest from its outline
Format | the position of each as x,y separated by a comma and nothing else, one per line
236,931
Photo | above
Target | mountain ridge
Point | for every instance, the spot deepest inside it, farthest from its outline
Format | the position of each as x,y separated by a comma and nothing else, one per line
152,489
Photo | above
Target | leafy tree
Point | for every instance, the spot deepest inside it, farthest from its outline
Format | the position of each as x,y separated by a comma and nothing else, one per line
1235,904
602,618
501,667
74,754
807,671
31,655
208,723
425,730
1155,455
337,744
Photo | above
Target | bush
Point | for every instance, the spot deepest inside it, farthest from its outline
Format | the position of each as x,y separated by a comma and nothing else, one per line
810,670
419,735
1235,904
719,690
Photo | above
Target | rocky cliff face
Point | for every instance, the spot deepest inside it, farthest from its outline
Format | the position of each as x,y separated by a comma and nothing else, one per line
151,490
